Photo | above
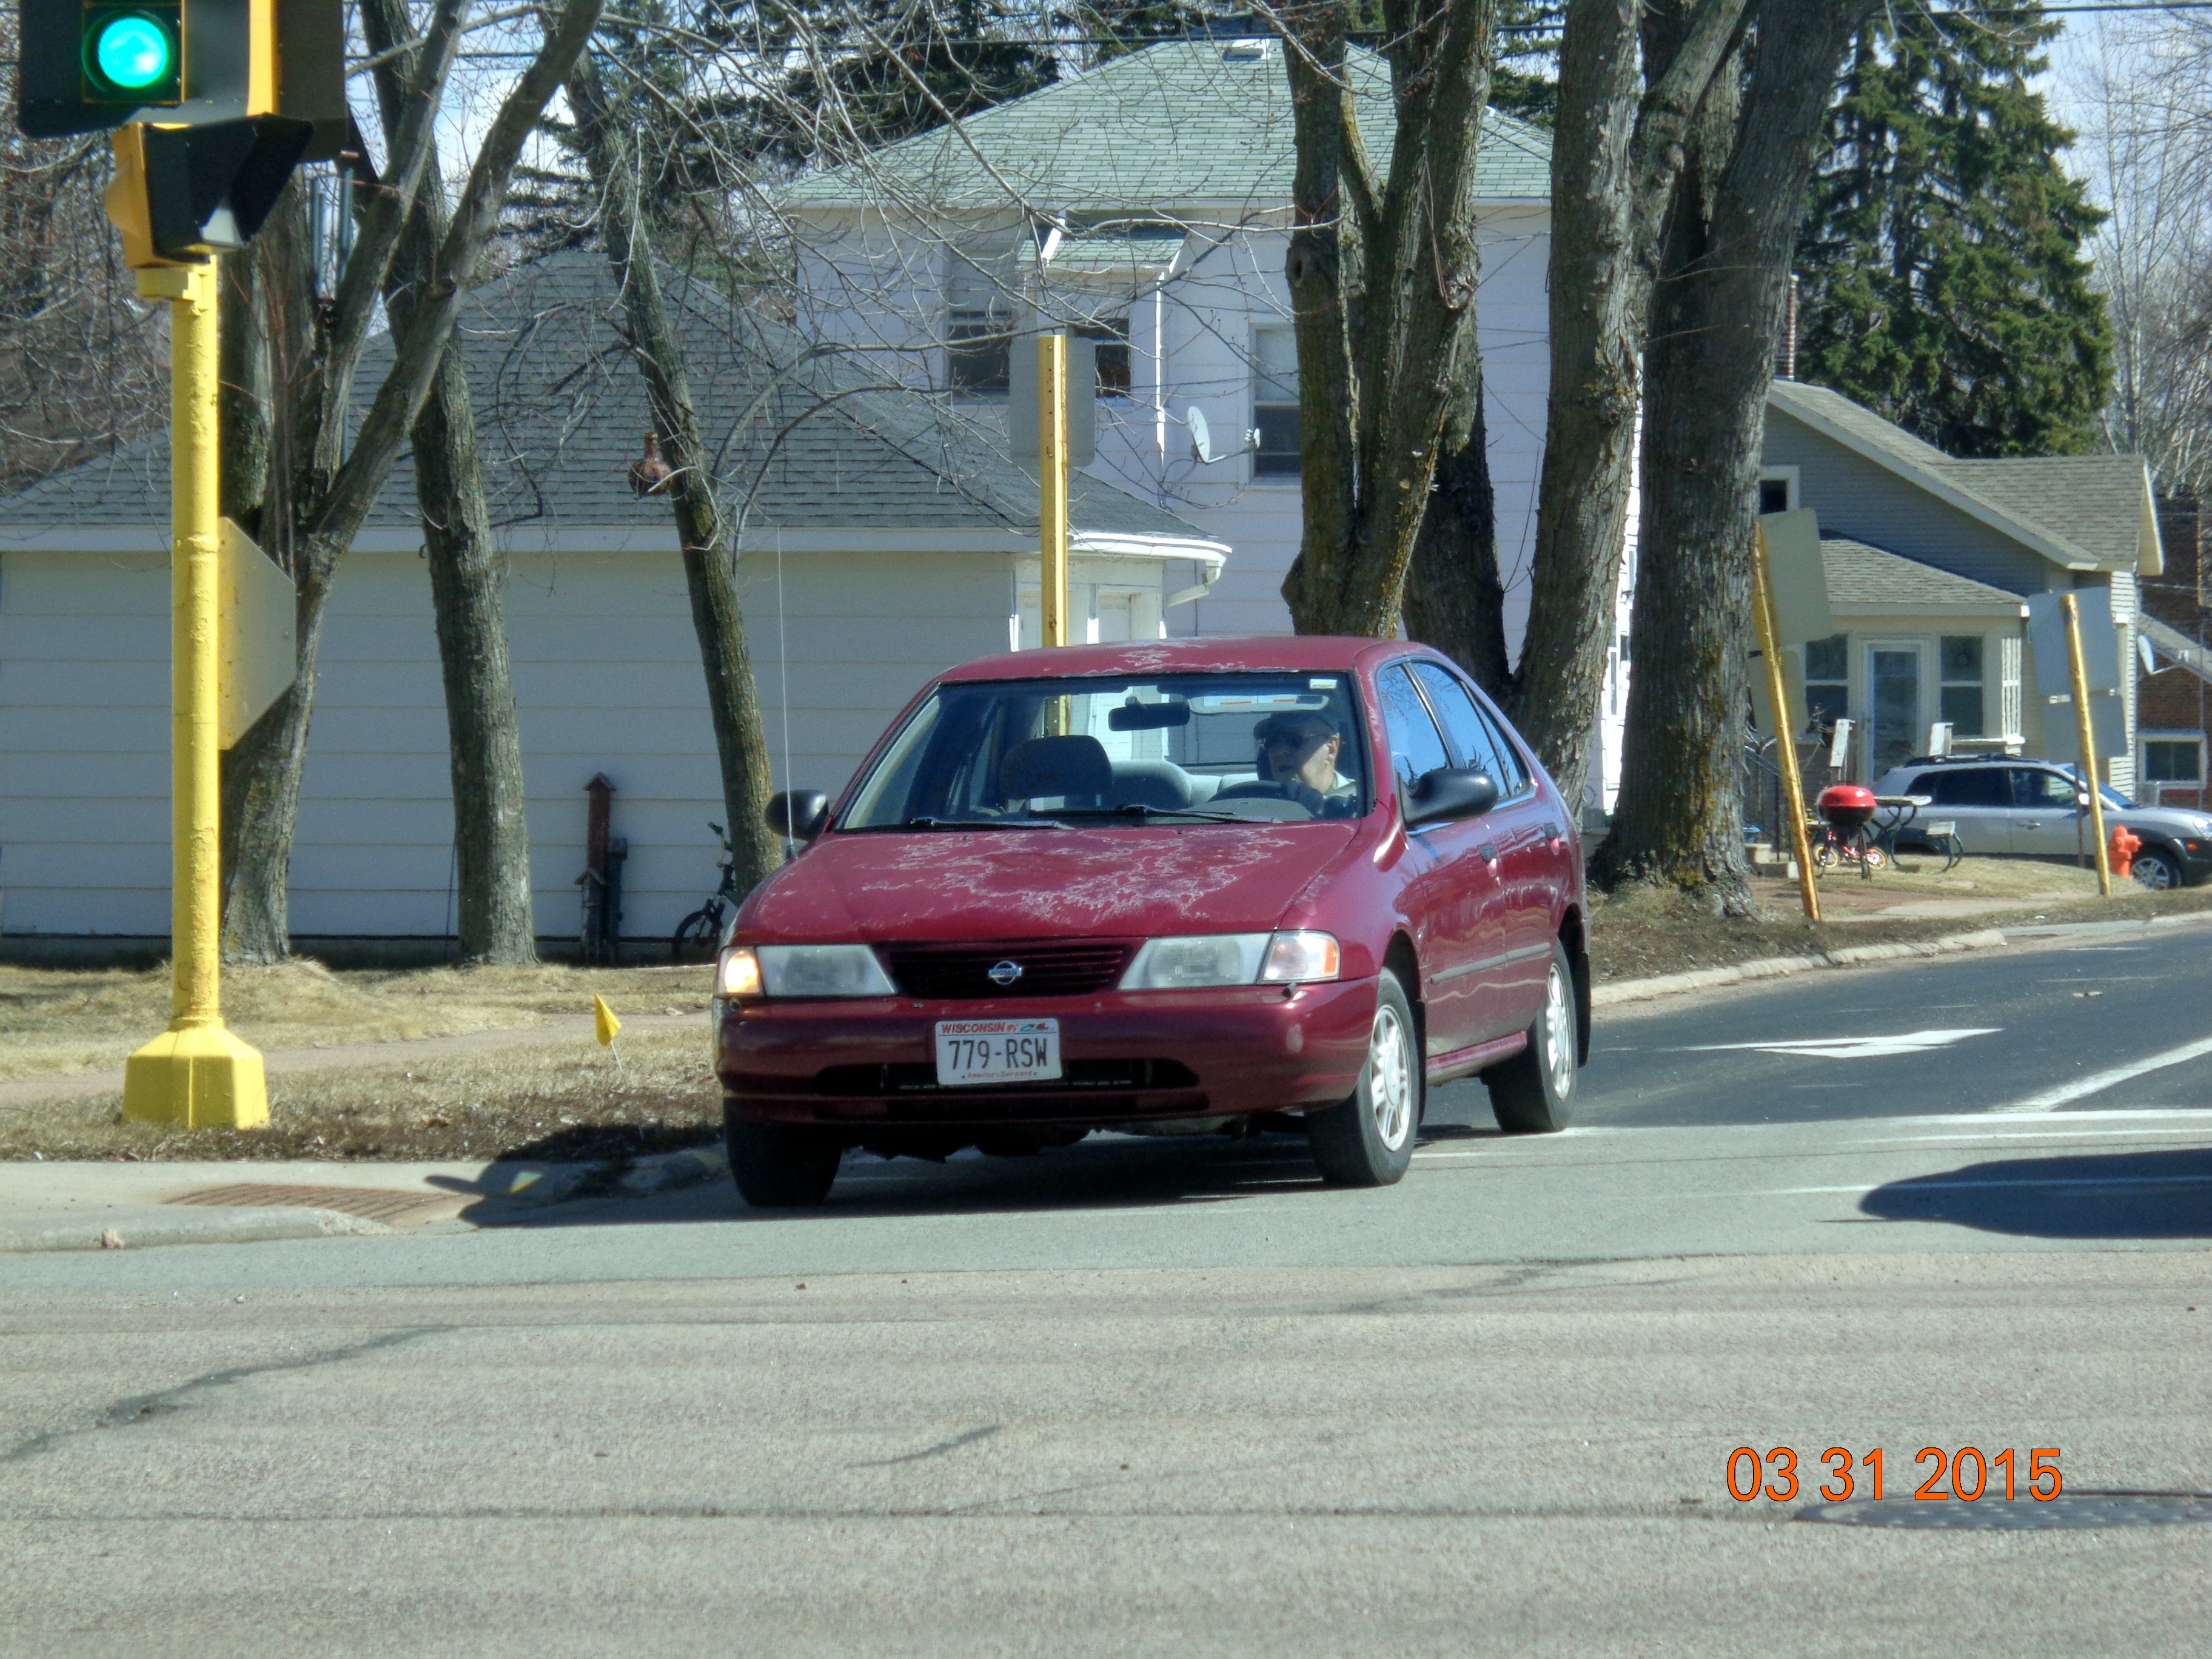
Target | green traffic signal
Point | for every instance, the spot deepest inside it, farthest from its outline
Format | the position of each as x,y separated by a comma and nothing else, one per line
130,53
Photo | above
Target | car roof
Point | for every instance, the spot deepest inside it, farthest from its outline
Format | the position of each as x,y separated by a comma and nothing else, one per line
1282,653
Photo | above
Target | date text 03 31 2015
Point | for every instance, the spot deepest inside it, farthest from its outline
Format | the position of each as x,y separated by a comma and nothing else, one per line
1965,1476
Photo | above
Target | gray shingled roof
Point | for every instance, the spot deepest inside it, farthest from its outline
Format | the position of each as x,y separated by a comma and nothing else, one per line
1860,574
816,439
1179,123
2083,506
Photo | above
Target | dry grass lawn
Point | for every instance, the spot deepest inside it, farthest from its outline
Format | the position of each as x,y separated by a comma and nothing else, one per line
62,1020
564,1100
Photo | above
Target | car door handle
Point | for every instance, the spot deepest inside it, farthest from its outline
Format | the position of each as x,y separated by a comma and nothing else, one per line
1487,852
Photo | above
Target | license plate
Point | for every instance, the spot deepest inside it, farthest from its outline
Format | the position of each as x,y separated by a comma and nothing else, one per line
971,1051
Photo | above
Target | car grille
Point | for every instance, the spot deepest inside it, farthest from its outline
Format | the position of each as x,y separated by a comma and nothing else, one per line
954,973
919,1077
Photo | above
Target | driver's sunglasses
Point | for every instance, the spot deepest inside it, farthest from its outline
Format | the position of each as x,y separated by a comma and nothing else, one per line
1293,739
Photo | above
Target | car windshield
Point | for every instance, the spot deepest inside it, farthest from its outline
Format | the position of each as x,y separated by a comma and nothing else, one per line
1181,748
2111,796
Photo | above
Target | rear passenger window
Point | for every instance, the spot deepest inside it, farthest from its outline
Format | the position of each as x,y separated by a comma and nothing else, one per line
1415,747
1479,743
1983,786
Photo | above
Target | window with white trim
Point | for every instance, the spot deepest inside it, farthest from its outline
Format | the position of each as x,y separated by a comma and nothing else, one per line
1275,402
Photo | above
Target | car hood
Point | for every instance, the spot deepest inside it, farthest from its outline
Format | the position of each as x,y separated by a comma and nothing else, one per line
2172,820
1128,882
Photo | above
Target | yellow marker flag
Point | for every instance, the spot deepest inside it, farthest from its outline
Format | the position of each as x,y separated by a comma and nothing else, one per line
604,1022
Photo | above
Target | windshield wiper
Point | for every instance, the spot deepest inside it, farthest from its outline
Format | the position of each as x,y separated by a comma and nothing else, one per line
1140,809
928,822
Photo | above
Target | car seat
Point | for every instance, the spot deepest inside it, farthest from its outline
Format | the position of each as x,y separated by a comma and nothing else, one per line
1073,769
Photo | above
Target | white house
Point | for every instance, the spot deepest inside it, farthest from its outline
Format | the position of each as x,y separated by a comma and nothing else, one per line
1147,203
881,541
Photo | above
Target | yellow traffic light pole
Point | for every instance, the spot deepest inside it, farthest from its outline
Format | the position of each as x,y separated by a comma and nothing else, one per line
1777,694
196,1074
2085,728
1052,485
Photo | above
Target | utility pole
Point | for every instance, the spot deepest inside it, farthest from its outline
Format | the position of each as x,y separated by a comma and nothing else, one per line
1052,487
1785,747
212,104
2086,729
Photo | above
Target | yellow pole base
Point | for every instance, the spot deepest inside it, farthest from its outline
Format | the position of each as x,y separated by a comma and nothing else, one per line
197,1076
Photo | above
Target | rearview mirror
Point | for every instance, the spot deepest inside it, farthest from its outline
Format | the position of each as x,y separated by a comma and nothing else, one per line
1147,716
1450,792
801,814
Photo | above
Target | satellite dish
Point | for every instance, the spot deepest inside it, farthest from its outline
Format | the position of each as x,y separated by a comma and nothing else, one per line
1202,440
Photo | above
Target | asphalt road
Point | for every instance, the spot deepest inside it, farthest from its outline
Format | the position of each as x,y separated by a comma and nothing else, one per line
1142,1396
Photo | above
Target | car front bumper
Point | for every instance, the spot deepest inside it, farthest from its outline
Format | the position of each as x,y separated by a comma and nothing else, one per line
1129,1057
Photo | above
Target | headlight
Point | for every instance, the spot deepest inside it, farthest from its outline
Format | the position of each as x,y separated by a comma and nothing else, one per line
737,974
1192,960
802,971
2203,826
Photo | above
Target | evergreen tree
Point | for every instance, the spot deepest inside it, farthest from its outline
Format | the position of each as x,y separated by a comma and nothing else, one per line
1944,281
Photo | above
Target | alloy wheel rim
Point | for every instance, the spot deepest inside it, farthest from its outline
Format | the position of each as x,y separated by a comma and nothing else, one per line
1558,1054
2154,874
1389,1079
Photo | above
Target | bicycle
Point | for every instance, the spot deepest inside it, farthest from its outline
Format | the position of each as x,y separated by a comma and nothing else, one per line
699,935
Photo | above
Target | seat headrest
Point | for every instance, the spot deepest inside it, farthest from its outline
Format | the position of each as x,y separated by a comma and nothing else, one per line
1058,766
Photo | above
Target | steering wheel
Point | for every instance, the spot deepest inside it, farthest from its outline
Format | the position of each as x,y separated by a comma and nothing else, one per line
1256,789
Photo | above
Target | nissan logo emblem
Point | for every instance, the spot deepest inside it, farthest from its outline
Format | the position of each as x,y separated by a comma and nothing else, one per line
1005,973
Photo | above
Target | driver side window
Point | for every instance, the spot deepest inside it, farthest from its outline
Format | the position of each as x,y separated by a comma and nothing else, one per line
1415,745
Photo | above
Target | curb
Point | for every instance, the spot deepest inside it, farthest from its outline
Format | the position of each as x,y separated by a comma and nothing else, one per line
208,1227
1986,938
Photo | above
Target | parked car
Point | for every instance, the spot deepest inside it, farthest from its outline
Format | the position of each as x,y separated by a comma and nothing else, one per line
2039,809
1274,884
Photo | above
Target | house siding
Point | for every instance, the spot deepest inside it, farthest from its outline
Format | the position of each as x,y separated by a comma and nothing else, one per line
1856,498
607,680
882,288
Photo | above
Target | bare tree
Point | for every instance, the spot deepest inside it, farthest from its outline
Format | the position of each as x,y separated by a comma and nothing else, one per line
491,835
1382,270
2144,97
607,135
80,356
323,486
1715,324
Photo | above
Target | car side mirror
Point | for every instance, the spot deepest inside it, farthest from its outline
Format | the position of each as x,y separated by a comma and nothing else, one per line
801,814
1450,792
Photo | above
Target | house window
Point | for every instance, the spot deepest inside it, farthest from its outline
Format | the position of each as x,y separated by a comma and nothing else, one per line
1773,495
1960,656
1109,338
2174,760
1275,402
1827,679
976,351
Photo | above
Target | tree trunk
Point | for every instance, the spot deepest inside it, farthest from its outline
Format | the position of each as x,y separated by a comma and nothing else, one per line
1454,599
1616,151
1382,287
326,472
709,563
491,835
1715,324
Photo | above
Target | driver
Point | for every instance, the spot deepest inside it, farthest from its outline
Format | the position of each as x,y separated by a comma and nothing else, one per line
1299,751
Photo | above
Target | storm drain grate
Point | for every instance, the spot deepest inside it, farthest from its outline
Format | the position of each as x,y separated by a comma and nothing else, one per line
372,1203
2074,1511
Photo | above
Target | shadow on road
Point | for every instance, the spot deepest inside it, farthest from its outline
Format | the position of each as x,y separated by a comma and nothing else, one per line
1102,1173
2159,1195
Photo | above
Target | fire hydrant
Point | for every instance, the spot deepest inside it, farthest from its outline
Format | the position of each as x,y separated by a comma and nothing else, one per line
2124,850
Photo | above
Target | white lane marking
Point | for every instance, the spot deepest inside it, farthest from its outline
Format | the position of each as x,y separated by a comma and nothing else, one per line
2098,1082
1904,1043
2024,1134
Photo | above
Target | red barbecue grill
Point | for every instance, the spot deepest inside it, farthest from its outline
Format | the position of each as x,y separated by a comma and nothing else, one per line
1846,809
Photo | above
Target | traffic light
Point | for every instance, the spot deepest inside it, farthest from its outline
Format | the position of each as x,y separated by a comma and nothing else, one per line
182,193
90,65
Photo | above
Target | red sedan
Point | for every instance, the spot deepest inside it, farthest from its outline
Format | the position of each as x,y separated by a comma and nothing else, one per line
1244,884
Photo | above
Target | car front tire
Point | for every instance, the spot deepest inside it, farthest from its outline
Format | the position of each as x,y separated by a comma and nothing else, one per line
1534,1092
2156,869
1367,1139
781,1166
